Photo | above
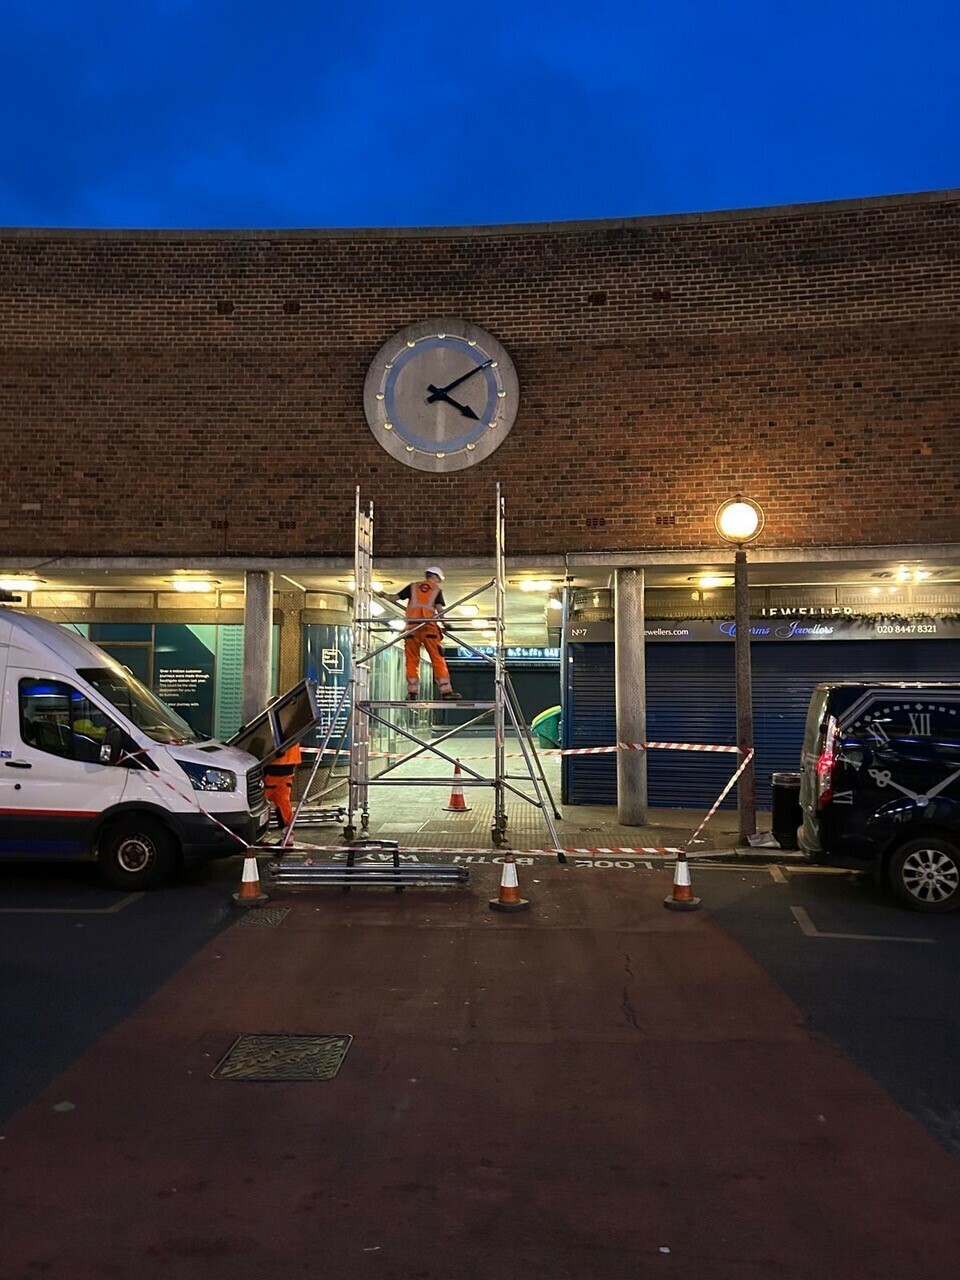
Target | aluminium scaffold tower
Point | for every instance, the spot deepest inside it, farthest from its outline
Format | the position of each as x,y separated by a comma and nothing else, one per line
372,636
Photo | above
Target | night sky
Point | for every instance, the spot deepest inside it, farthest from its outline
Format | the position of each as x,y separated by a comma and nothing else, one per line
203,113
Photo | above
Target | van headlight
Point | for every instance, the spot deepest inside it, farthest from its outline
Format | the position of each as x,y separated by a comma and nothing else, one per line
203,778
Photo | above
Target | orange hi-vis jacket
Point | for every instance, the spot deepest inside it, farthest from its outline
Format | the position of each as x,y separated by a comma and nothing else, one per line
423,602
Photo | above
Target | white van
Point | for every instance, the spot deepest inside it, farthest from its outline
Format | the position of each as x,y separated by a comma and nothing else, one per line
94,766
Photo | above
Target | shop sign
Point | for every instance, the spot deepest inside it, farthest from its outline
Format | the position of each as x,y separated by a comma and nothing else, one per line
794,627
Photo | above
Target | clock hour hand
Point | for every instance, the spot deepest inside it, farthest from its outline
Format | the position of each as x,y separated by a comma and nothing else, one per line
439,393
882,778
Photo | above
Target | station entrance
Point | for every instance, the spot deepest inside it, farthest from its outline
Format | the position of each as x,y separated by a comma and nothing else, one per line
507,763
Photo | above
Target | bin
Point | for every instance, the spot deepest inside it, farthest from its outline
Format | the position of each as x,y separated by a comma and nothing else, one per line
547,727
786,815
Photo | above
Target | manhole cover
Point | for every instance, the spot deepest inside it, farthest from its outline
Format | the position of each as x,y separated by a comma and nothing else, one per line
282,1057
265,917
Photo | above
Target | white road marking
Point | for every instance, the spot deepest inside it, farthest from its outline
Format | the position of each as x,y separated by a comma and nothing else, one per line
73,911
811,930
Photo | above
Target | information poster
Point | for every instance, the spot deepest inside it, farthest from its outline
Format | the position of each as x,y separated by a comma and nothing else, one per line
184,671
327,661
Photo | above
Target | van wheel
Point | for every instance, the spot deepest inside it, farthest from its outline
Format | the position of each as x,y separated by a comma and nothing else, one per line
925,874
136,853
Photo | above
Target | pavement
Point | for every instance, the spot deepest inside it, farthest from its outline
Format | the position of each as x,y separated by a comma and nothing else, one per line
594,1088
417,815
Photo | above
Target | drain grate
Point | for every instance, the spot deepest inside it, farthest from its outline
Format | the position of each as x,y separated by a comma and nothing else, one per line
271,1058
265,917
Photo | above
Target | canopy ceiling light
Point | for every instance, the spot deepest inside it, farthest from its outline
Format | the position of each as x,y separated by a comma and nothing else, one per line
198,586
19,584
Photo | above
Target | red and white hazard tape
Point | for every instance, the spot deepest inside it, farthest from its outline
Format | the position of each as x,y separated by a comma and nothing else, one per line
748,756
566,751
361,850
150,776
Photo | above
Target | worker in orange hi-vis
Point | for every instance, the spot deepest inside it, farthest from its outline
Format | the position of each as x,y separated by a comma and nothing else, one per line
278,783
423,601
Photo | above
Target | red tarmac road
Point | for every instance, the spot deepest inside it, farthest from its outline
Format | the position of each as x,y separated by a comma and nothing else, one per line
571,1092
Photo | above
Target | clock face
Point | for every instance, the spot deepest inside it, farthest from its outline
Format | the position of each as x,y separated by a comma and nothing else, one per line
895,714
908,746
441,395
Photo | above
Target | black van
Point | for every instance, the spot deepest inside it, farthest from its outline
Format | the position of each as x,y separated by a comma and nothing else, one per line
880,786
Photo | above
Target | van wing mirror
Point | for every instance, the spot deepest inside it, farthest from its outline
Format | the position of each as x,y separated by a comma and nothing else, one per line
112,745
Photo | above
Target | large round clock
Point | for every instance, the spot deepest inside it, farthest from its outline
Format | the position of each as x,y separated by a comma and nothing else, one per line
441,395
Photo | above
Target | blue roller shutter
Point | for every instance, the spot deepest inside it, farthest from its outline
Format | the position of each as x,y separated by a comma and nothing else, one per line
590,720
691,698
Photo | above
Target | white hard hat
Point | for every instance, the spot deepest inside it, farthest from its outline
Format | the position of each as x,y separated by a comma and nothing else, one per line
435,569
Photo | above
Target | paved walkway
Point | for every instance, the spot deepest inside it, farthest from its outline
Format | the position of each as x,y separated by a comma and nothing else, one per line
596,1088
416,815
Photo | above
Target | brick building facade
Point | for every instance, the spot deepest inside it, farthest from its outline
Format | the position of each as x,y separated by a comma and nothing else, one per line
196,394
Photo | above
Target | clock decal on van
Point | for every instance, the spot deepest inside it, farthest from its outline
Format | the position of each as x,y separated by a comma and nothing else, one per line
905,742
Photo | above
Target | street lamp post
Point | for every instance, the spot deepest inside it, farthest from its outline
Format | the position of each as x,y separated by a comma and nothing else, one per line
740,521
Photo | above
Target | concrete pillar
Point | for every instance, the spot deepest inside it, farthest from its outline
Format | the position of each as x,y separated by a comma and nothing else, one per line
257,641
631,677
290,602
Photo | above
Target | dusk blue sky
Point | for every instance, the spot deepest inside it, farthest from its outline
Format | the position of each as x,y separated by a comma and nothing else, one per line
208,113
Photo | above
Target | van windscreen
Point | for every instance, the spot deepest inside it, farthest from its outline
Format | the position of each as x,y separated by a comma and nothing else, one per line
138,704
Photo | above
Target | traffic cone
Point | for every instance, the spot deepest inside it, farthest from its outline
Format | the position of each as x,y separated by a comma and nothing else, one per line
682,898
509,899
457,803
250,895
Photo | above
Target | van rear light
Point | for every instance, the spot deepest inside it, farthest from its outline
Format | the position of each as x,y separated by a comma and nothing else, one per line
826,763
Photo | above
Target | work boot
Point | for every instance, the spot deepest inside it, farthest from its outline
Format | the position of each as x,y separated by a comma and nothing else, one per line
451,696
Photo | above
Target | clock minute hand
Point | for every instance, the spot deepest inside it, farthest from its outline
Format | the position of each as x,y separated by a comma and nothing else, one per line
441,391
941,786
440,394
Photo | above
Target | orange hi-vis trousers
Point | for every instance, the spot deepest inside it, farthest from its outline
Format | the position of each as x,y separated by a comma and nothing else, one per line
278,782
429,637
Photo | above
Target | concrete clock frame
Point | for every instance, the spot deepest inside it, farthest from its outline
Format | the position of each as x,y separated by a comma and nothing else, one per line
441,395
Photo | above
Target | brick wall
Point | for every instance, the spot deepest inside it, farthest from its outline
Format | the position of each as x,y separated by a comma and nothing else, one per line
201,393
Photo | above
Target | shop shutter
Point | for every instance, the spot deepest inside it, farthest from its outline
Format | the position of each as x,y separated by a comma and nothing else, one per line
590,720
691,698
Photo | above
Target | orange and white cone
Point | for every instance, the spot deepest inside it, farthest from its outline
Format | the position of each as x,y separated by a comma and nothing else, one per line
457,803
682,898
250,895
509,899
